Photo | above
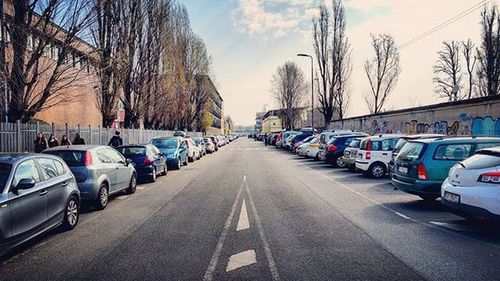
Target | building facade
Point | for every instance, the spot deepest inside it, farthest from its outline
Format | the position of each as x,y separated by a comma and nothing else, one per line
215,109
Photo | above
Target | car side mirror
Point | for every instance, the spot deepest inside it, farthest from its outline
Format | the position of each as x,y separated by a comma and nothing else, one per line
128,161
25,184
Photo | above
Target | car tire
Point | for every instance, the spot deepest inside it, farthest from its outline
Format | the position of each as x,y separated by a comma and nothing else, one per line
132,186
164,172
178,164
377,170
191,159
71,214
102,197
338,162
429,198
153,176
186,162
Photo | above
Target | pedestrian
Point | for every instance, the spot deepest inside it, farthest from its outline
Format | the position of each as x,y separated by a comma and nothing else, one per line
78,139
53,141
116,140
65,141
40,143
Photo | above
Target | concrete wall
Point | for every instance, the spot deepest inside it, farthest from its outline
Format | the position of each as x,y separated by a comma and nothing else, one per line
478,117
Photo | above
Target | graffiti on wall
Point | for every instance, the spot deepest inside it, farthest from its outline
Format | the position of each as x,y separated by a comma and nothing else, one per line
464,125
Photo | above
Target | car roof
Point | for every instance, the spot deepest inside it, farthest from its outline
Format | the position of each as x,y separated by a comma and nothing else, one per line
453,139
495,150
11,158
385,136
75,147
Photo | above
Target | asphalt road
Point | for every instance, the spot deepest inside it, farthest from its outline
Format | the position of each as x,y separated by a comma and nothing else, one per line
250,212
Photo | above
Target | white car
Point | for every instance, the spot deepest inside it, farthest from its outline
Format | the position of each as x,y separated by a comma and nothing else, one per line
375,153
313,148
472,188
193,150
302,149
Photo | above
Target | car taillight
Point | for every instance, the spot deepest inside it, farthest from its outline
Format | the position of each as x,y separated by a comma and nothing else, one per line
422,172
490,177
368,155
148,160
369,145
87,159
332,148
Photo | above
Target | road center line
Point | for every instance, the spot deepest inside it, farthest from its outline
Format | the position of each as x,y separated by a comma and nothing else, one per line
243,222
242,259
267,250
218,249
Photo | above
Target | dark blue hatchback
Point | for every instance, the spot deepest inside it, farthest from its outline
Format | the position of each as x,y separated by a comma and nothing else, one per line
147,160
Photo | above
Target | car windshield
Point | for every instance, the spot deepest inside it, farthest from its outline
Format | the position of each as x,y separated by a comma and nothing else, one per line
4,174
355,143
411,151
71,157
165,143
132,151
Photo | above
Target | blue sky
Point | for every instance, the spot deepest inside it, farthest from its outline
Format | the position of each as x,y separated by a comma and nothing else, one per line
248,39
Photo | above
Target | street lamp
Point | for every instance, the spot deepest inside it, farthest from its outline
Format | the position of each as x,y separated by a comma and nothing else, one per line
312,89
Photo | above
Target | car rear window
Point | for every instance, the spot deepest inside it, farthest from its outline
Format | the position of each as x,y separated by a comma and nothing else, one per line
481,160
411,151
72,158
399,145
355,143
4,174
456,151
131,152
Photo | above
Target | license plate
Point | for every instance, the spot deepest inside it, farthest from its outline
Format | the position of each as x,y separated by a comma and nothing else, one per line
452,197
347,153
403,170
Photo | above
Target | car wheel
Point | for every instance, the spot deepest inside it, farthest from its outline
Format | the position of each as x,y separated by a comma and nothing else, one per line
164,173
191,159
153,176
377,170
71,214
179,164
429,198
338,162
186,162
132,187
102,197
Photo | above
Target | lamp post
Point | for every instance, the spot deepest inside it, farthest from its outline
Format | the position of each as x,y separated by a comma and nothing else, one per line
312,89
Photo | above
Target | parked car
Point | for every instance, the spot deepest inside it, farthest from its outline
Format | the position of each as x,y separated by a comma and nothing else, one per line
351,152
403,140
193,150
299,138
471,188
375,153
325,137
100,171
37,193
210,147
422,165
304,146
147,159
175,150
200,143
300,143
334,151
214,141
313,149
283,142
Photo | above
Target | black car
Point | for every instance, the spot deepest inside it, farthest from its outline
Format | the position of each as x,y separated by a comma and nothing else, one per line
147,159
38,192
335,149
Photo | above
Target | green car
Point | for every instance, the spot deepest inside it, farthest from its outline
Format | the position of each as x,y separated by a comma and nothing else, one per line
422,165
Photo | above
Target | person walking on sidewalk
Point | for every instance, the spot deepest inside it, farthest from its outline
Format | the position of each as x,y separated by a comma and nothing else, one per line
40,143
116,140
53,142
65,141
78,139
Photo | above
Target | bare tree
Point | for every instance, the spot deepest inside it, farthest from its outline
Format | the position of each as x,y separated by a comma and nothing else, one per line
44,64
382,72
447,71
489,52
470,63
333,55
289,89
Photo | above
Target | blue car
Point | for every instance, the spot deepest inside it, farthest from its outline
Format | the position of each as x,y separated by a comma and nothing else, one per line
175,150
147,159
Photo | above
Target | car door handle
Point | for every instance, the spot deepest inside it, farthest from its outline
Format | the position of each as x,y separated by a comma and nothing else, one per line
43,192
4,206
385,153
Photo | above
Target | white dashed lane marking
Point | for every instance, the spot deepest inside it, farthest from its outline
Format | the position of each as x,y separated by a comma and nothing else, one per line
242,259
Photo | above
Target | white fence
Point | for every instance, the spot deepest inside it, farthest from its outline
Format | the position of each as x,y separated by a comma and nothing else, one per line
20,137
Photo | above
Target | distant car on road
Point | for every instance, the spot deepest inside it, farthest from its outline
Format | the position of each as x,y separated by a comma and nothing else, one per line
147,159
100,171
422,165
37,193
472,186
174,148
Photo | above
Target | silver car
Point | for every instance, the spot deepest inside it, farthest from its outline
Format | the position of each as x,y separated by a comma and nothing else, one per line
100,171
37,193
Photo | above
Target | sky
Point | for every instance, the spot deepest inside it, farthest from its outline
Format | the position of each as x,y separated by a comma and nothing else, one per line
249,39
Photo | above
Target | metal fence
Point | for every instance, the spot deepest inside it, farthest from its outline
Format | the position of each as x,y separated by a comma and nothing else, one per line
20,137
